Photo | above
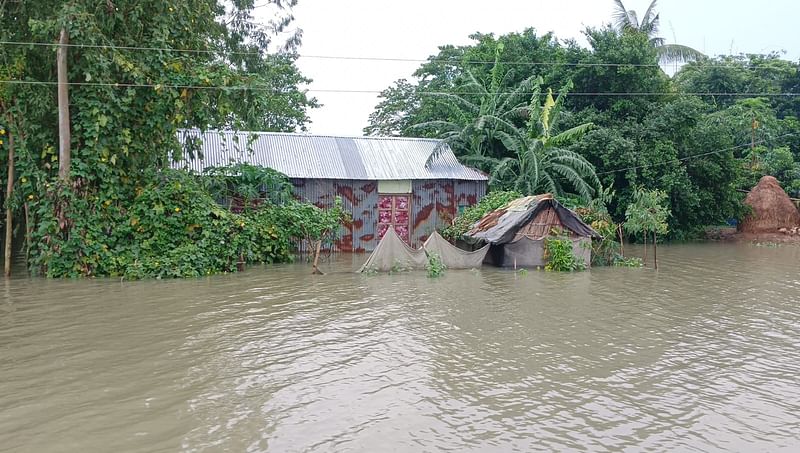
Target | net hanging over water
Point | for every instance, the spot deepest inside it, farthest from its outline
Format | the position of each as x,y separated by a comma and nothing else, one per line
393,253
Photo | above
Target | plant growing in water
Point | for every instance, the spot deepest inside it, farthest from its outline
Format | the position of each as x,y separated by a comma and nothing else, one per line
400,266
435,266
559,255
648,214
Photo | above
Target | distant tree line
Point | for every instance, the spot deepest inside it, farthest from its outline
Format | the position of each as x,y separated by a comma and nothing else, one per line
713,128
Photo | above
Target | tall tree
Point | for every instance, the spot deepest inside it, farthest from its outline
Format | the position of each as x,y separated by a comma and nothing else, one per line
395,113
628,20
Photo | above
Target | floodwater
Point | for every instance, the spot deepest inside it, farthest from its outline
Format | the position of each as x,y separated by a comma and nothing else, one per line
702,355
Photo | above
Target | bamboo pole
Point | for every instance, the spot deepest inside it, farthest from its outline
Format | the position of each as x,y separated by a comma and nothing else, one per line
621,244
63,108
9,213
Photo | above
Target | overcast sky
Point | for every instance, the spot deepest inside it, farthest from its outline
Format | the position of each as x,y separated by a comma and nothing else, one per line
413,29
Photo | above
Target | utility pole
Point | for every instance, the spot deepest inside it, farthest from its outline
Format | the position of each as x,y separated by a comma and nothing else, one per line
63,108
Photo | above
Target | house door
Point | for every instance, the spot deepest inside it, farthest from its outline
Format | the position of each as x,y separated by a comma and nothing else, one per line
394,212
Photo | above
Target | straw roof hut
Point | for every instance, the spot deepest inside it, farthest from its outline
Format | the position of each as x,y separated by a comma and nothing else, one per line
771,208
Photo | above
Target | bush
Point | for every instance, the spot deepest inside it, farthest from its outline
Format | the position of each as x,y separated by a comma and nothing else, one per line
559,256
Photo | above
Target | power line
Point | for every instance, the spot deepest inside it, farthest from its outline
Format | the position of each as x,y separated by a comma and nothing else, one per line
693,156
422,93
359,58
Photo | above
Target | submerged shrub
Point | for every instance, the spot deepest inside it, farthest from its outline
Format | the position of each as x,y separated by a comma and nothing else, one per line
435,266
558,254
621,261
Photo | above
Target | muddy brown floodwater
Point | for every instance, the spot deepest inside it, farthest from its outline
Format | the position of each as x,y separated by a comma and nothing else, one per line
702,355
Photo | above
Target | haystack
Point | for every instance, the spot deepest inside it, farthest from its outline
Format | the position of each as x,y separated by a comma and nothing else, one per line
771,208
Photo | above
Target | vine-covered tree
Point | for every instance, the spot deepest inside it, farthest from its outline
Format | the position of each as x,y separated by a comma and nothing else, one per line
138,70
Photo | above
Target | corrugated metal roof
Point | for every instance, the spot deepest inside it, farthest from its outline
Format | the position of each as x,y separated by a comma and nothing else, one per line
327,157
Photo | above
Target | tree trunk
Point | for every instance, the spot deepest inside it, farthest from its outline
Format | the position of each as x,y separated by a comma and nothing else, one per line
27,235
9,213
316,259
655,250
644,261
63,108
621,244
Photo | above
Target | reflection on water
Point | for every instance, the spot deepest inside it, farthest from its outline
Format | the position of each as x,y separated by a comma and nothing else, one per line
704,354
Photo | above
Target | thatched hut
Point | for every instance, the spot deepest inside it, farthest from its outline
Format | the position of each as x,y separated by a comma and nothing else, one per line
771,208
517,231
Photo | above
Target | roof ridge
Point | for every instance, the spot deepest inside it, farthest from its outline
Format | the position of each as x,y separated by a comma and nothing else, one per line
300,134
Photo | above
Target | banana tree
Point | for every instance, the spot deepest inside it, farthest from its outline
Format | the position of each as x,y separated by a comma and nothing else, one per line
541,163
467,131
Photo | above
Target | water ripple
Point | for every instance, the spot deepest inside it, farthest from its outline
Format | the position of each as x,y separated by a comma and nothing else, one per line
702,355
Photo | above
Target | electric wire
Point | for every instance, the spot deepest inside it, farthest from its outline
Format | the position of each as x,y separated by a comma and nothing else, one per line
359,58
693,156
422,93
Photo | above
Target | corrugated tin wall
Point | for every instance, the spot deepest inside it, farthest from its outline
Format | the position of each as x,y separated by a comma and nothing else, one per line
359,198
434,204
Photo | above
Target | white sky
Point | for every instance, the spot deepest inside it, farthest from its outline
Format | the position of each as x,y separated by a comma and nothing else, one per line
414,29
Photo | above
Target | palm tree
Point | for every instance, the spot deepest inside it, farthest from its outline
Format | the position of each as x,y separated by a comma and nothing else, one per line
541,163
625,19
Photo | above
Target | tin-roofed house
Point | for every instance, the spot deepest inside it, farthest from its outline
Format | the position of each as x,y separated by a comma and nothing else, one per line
383,182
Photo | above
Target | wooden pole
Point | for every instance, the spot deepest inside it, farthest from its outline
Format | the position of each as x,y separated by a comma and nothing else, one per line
655,250
621,244
63,108
9,213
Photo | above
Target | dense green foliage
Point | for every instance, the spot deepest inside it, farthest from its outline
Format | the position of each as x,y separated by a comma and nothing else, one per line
701,137
648,212
472,214
541,163
139,71
242,187
558,254
173,227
